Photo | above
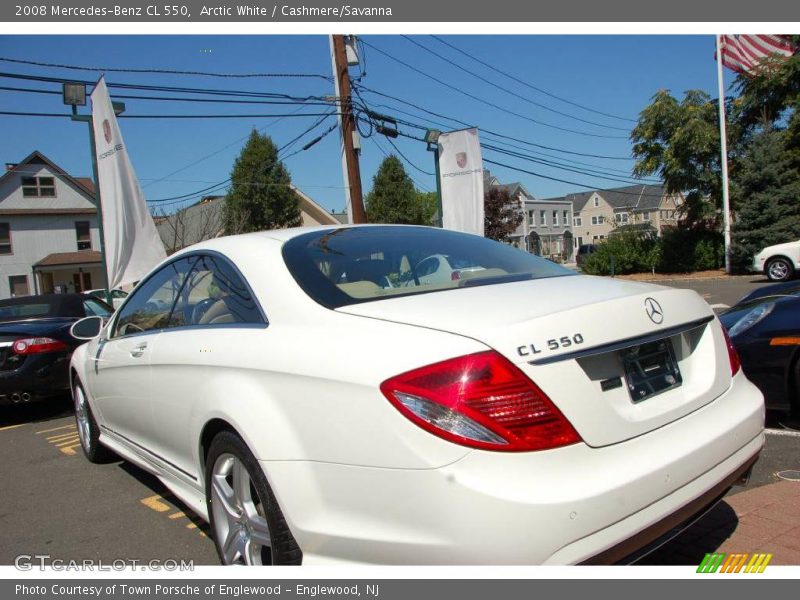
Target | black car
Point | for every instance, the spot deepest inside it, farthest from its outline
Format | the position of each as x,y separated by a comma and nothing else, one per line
36,344
764,327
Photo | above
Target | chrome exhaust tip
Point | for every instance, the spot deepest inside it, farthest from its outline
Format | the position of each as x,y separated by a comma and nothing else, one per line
15,398
26,397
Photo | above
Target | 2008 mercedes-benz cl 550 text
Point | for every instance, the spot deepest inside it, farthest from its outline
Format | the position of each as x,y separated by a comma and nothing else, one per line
317,402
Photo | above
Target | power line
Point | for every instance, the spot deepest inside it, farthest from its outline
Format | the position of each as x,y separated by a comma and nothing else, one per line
525,83
206,157
166,71
489,131
509,91
193,116
180,99
489,103
164,88
487,137
217,186
387,155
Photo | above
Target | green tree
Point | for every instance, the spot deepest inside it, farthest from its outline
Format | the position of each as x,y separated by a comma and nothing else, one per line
393,198
260,196
768,190
502,214
429,202
678,141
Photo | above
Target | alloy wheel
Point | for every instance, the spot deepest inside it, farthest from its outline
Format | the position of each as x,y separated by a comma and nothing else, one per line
778,270
82,417
240,524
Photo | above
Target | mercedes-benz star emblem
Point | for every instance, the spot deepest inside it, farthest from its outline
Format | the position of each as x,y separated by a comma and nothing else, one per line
654,311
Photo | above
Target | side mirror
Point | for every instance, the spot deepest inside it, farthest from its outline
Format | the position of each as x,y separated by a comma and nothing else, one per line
87,328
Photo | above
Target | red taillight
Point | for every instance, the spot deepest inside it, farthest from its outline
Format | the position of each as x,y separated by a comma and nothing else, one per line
482,401
38,345
733,356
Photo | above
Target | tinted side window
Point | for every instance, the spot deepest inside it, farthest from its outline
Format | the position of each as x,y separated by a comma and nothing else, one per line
215,295
95,308
149,307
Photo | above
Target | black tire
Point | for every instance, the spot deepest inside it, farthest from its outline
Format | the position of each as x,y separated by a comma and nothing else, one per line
779,269
284,549
88,430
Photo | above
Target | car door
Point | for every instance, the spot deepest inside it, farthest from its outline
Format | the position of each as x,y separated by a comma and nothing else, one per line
215,317
120,380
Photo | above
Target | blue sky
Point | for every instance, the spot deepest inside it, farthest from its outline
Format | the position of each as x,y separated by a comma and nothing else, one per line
613,74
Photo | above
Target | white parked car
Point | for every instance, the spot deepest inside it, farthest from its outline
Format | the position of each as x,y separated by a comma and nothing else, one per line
778,262
522,415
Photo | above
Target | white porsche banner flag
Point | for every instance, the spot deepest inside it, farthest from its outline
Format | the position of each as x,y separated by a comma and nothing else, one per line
461,174
132,243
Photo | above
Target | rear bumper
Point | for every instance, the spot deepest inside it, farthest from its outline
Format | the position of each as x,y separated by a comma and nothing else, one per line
566,506
41,376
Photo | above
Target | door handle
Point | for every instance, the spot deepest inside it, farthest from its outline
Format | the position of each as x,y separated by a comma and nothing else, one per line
137,351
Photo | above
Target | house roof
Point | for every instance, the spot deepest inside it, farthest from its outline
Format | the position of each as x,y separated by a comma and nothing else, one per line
490,180
203,220
83,184
636,197
69,258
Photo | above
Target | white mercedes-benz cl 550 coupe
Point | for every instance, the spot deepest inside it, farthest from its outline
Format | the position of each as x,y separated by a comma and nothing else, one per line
316,402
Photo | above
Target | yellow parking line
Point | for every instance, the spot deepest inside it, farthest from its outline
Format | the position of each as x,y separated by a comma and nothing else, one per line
191,526
69,450
71,440
155,503
57,438
55,429
7,427
177,515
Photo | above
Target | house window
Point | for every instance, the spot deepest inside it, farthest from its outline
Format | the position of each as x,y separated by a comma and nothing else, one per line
579,241
542,218
531,218
621,217
5,239
18,285
566,217
598,220
83,234
555,217
646,216
577,222
596,201
39,187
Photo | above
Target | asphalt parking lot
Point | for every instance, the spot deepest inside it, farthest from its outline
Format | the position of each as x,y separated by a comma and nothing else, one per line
54,502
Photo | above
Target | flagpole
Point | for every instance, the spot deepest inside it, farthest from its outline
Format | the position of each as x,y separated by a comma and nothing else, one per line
723,137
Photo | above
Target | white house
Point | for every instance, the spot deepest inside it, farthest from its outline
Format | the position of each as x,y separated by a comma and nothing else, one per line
49,239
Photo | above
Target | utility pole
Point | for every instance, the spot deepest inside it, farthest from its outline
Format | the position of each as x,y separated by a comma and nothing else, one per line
347,126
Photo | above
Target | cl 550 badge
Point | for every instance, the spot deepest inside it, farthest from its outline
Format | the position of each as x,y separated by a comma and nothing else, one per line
551,344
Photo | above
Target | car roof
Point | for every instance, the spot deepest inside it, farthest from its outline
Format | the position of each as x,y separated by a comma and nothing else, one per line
58,305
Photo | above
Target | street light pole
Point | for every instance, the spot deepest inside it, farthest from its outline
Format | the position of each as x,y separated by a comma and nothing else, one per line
74,101
432,139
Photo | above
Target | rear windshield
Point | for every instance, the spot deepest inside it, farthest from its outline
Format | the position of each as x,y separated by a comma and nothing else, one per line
346,266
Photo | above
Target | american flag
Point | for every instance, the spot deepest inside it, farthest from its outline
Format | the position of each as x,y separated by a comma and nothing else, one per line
744,53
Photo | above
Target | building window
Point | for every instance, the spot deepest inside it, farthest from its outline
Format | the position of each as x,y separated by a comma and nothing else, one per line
577,222
555,217
646,216
542,218
566,217
39,187
596,201
621,218
598,220
84,235
5,239
579,242
18,285
531,218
